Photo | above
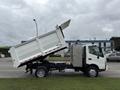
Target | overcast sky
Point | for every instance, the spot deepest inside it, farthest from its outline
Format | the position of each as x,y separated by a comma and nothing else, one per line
89,18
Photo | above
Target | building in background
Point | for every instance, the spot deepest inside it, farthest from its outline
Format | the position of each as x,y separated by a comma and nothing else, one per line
104,44
115,43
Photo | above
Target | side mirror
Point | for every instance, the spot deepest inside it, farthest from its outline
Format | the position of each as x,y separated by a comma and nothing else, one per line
98,57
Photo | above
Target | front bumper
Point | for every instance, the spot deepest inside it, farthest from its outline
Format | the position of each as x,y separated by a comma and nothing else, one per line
106,68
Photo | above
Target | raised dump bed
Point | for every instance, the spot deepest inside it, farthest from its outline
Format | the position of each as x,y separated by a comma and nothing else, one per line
39,47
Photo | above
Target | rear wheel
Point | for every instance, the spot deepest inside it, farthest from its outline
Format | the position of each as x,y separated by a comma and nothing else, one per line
41,72
92,71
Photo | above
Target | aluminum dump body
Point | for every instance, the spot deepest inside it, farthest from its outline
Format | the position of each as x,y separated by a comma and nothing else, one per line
38,47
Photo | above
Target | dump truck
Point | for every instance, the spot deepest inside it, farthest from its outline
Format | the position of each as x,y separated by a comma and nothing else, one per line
86,58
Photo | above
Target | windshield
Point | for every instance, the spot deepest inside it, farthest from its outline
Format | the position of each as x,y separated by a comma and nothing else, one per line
96,51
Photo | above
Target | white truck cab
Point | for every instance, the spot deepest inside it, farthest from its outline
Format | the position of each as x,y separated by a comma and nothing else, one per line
95,56
88,58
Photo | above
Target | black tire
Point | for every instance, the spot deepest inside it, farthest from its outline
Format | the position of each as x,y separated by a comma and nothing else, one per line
41,72
92,71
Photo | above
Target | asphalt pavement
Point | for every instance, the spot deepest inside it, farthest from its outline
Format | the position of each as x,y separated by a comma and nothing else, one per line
8,71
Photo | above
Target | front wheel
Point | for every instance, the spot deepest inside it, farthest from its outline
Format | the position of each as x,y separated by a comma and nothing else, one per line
92,71
41,72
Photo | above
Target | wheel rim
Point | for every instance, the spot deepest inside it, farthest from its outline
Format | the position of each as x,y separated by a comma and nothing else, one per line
41,73
92,73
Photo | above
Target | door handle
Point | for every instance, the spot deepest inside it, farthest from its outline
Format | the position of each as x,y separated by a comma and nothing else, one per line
89,58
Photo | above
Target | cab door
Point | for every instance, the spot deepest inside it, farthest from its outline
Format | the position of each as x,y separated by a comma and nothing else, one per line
95,56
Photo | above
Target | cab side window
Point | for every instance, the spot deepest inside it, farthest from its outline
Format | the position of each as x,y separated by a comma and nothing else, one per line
95,51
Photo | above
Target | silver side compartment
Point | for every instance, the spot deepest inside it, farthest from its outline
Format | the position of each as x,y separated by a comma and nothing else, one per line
76,55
